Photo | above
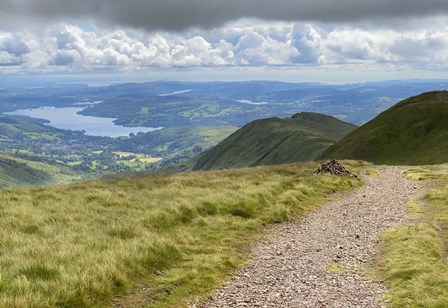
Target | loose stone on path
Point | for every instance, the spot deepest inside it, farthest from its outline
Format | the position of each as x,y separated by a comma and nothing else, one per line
317,261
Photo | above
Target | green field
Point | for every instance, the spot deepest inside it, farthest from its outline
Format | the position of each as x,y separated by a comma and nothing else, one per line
413,257
135,161
147,159
83,244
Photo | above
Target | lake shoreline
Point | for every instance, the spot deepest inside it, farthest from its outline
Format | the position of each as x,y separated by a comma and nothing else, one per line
70,119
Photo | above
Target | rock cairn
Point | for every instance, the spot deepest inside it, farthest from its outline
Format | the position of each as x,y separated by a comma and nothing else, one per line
334,167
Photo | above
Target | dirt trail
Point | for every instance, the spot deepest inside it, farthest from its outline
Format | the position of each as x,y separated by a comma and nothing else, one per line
317,261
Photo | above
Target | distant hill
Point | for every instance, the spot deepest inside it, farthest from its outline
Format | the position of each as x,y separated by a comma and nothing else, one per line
275,141
414,132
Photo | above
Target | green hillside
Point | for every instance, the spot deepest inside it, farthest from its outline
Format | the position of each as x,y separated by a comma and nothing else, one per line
168,238
19,172
15,173
415,131
275,141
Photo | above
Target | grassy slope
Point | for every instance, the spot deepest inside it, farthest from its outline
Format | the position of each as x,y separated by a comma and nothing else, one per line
14,173
275,141
415,131
413,261
18,127
81,244
19,172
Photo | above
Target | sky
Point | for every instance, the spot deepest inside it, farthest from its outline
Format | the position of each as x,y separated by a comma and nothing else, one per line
291,40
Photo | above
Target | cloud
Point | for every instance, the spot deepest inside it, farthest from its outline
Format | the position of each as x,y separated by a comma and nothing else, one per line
182,14
242,43
70,46
66,57
12,50
14,46
255,49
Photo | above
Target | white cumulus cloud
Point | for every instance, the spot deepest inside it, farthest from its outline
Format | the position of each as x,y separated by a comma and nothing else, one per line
242,43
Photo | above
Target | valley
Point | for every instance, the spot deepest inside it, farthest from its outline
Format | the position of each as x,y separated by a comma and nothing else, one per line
79,127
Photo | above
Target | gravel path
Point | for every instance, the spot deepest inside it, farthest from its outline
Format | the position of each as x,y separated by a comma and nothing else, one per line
317,261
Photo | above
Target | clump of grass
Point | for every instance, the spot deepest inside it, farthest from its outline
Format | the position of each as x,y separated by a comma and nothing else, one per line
30,229
39,272
414,268
373,173
83,244
123,234
414,209
433,172
413,258
334,268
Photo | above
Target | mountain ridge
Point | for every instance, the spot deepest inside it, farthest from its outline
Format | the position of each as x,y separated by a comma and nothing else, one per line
275,141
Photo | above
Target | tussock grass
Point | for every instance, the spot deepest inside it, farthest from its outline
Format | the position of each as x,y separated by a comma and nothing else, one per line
82,244
413,261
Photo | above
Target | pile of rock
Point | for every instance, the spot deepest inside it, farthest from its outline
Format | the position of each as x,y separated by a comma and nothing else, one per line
334,167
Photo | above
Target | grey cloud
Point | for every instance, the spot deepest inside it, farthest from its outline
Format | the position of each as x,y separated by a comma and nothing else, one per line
410,48
66,57
181,14
12,51
5,64
65,40
14,46
305,44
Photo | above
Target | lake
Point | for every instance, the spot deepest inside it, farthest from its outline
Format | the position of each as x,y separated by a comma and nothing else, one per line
249,102
68,118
